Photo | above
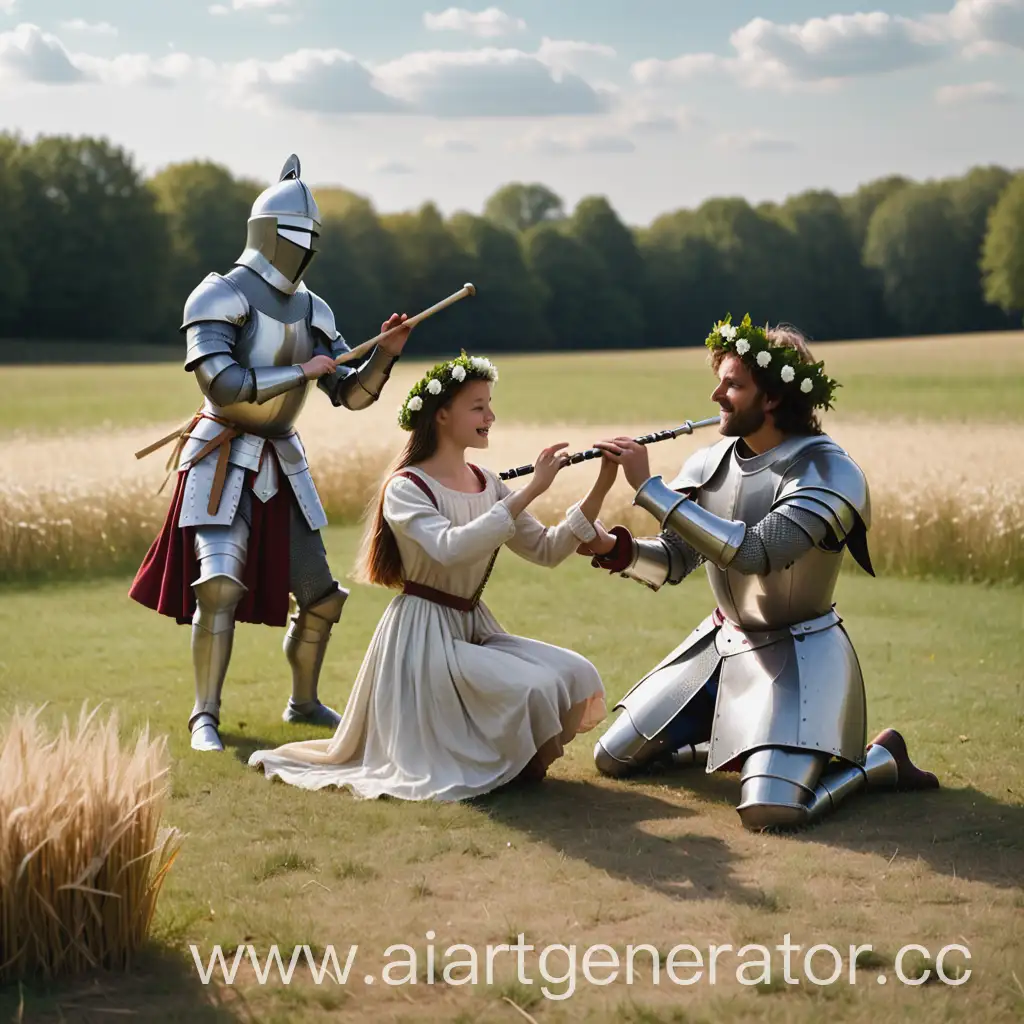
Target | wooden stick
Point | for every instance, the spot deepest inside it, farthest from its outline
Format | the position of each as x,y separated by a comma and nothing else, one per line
347,357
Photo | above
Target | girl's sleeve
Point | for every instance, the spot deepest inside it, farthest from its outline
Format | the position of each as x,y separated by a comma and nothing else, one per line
547,545
409,512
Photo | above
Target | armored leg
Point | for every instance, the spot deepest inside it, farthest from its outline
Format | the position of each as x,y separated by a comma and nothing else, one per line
221,553
623,749
776,786
887,765
318,605
309,630
784,788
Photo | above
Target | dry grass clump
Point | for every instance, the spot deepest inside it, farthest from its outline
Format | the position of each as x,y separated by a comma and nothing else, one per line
82,852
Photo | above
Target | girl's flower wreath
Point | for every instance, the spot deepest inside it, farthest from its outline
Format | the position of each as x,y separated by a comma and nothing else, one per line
438,380
753,346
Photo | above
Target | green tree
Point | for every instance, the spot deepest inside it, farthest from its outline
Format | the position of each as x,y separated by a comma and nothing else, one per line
98,247
507,312
206,210
1002,259
861,205
913,242
520,207
581,307
15,238
597,227
837,299
433,265
973,196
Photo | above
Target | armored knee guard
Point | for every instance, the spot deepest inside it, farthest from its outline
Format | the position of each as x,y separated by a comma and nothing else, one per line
777,785
309,630
623,749
221,553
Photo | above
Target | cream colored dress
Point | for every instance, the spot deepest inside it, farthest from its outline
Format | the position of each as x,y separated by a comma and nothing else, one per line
447,705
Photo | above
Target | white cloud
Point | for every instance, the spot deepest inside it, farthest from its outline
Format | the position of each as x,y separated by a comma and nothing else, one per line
391,167
972,93
99,28
448,144
251,5
755,142
654,121
8,6
486,83
573,55
316,81
839,46
30,54
680,69
598,142
489,24
980,22
828,49
141,69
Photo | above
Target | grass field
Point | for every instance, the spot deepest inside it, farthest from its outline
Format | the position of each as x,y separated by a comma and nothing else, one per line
936,423
958,378
661,860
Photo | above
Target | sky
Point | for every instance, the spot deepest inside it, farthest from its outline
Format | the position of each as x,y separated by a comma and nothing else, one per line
655,104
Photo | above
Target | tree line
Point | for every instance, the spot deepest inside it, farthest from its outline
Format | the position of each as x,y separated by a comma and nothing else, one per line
93,250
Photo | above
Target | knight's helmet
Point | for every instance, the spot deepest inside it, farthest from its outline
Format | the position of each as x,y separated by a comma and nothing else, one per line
284,230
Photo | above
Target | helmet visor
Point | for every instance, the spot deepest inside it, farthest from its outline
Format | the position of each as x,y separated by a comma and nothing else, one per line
294,252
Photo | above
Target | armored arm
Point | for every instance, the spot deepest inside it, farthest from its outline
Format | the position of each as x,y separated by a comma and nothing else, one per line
348,386
214,313
775,542
653,561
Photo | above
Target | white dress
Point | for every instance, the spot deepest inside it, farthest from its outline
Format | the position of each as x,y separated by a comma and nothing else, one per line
447,705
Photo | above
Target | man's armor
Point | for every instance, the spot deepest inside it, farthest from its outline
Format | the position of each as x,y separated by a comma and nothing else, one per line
771,675
247,334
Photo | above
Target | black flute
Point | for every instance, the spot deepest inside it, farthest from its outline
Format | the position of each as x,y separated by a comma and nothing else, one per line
595,453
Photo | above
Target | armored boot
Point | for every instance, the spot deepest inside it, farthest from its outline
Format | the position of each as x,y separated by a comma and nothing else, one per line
309,630
213,631
887,765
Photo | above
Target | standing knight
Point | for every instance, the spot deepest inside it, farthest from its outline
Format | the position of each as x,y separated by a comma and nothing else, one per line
770,678
243,529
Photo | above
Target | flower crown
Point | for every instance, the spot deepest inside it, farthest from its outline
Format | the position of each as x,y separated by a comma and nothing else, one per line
440,379
753,345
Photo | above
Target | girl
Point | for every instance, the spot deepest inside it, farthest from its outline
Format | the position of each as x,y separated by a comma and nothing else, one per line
447,705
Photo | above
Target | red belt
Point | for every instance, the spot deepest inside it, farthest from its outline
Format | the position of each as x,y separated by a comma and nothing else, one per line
460,604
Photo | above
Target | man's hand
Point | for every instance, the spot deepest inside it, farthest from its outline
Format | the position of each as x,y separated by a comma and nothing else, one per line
318,366
395,341
632,457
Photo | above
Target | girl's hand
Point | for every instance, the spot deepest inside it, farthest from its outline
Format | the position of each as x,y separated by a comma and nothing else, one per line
607,474
547,466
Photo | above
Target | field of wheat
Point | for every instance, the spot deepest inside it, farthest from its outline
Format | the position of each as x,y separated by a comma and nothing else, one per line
947,498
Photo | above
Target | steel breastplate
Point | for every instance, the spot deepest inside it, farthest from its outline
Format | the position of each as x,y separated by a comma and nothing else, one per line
744,489
265,341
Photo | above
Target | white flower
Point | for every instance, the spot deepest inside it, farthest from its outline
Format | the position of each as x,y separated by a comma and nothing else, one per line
787,373
806,385
764,357
727,331
742,346
458,373
415,404
434,386
479,364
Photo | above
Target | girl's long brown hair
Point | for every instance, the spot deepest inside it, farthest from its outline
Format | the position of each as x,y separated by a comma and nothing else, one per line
379,560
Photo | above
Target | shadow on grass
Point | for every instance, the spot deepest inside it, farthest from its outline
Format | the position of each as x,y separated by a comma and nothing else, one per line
163,987
962,833
601,824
